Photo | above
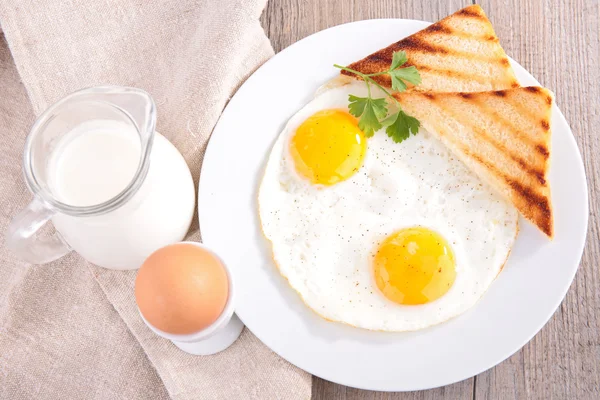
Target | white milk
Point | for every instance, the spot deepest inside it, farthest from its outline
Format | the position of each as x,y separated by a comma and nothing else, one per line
94,163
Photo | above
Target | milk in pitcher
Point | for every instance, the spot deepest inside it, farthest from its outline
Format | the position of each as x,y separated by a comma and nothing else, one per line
97,161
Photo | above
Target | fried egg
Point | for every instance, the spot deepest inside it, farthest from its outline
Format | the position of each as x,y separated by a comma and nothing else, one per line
376,234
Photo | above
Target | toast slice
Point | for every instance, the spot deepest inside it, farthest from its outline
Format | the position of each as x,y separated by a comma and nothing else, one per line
460,53
502,136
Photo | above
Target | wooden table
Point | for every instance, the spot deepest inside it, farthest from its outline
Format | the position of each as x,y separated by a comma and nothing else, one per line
559,43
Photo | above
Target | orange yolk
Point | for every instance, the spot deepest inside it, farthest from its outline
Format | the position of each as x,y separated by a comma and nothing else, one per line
328,147
414,266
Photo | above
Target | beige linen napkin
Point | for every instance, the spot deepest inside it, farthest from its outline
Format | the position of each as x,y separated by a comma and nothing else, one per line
71,330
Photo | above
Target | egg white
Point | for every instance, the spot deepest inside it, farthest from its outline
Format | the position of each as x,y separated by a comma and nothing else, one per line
324,237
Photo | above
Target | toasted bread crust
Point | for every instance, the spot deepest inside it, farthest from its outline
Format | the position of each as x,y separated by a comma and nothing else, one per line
459,53
502,136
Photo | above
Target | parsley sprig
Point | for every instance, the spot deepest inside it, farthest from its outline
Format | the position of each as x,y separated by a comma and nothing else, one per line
373,113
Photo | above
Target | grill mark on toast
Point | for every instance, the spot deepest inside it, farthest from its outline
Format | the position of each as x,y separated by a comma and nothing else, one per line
470,13
545,124
540,203
526,192
380,58
542,150
439,28
417,44
500,119
482,135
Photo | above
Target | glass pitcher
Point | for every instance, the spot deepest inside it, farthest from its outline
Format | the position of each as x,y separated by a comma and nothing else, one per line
75,154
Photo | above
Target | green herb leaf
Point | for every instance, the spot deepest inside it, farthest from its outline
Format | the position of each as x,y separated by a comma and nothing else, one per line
400,126
408,74
399,58
374,111
369,111
357,105
397,83
379,107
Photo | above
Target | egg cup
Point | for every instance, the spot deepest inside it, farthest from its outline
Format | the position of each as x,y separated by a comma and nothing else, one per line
217,336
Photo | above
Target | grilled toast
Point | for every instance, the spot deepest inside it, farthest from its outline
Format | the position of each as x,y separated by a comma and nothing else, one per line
502,136
460,53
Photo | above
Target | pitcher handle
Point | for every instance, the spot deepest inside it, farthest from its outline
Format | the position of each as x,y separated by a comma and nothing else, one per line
22,240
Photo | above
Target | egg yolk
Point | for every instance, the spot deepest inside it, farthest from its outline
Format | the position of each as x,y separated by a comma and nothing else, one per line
328,147
414,266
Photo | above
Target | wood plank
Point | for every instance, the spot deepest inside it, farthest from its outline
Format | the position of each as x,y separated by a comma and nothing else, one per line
287,21
558,42
323,390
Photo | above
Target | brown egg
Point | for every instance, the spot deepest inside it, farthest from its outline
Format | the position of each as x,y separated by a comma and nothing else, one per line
181,288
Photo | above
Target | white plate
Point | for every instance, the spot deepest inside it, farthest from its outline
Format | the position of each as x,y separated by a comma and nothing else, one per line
515,308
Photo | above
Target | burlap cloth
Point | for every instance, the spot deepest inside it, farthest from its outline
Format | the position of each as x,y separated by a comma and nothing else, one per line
69,329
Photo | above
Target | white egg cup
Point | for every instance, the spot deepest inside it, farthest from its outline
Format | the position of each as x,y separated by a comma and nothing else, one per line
214,338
